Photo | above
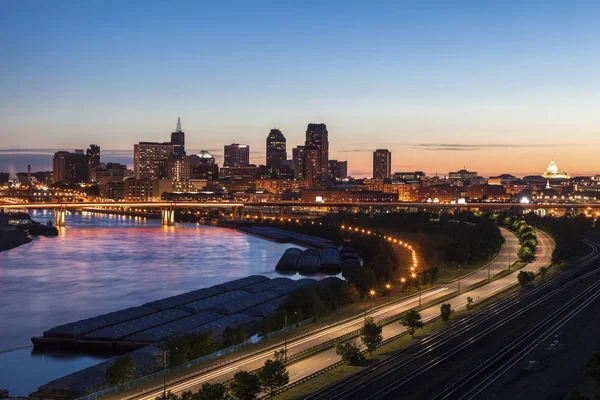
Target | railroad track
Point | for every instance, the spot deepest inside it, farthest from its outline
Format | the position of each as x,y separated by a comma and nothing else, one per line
403,358
495,366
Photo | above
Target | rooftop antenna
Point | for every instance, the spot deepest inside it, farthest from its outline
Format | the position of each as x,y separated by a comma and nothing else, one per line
178,125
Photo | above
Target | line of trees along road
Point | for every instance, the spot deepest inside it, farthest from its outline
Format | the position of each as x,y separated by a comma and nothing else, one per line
244,385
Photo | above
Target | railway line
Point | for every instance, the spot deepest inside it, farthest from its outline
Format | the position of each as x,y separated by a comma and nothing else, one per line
376,376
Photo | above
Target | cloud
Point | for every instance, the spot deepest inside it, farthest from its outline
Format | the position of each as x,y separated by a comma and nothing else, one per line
473,147
354,151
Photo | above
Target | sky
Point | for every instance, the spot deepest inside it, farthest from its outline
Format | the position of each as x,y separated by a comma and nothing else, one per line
493,86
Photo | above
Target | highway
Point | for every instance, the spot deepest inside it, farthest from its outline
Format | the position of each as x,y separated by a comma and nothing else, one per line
304,367
453,364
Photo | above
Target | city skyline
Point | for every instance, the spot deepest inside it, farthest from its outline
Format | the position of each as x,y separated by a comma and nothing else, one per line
494,87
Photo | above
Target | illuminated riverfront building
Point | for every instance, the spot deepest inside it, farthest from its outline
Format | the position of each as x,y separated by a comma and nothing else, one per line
70,167
281,185
151,159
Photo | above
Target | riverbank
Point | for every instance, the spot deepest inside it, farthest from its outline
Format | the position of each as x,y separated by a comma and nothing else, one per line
11,237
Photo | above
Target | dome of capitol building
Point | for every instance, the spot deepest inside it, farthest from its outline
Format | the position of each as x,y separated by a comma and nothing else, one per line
552,172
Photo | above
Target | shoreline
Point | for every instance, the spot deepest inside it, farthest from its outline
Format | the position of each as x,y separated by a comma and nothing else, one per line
11,239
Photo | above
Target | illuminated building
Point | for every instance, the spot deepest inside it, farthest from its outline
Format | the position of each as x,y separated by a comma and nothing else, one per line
298,162
317,137
281,185
382,164
338,169
312,163
276,151
70,167
236,155
151,159
553,173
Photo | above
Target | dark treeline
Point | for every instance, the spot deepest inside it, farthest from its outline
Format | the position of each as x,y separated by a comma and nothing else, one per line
447,239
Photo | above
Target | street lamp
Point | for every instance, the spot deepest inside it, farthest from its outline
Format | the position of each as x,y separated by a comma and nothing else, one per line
403,280
387,290
372,293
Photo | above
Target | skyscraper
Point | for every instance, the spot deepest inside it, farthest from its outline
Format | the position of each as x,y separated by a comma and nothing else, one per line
178,140
382,164
236,155
151,160
276,150
298,162
317,136
312,163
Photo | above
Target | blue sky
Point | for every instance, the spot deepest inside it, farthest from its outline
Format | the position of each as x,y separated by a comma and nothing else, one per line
509,85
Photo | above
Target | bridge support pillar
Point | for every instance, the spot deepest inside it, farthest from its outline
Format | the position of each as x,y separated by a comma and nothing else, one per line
167,216
60,215
237,212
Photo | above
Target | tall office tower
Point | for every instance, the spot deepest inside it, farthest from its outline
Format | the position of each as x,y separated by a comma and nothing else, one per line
178,140
276,151
317,136
151,160
70,167
312,163
236,155
382,164
298,162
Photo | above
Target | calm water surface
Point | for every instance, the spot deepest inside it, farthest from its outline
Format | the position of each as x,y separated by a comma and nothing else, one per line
101,263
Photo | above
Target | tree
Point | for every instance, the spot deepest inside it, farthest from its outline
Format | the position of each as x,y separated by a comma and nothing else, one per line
121,370
525,278
469,302
244,386
273,375
525,254
371,335
592,367
210,391
348,294
445,311
232,336
350,352
411,321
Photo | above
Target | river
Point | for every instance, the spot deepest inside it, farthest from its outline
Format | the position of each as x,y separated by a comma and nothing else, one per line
101,263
